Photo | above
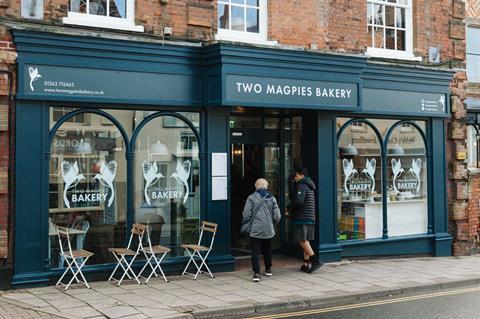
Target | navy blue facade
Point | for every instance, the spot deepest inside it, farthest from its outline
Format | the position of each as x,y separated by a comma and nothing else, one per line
211,80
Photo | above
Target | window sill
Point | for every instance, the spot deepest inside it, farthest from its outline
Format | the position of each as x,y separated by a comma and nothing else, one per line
245,39
392,54
101,22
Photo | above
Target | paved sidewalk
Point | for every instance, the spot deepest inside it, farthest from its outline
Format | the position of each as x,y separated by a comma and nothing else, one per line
234,293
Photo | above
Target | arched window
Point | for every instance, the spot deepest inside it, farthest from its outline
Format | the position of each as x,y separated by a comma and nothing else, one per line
359,181
167,178
407,180
87,183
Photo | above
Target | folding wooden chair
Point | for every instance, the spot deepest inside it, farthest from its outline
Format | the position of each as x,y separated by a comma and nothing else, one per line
195,251
122,254
75,259
155,254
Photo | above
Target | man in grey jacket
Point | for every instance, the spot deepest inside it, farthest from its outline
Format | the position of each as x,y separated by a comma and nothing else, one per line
261,210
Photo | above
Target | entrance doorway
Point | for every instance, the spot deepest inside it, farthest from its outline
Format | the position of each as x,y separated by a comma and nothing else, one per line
267,146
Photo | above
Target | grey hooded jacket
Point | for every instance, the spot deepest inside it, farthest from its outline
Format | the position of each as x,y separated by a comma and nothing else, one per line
266,217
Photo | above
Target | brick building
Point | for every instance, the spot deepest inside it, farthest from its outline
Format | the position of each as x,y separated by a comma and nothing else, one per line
358,81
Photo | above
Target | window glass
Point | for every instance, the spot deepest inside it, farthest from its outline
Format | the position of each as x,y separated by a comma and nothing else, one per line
473,54
239,15
359,181
407,181
87,185
88,181
386,24
110,8
472,146
167,182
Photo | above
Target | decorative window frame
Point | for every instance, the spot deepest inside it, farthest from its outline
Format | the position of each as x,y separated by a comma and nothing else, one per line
391,53
93,20
472,55
249,37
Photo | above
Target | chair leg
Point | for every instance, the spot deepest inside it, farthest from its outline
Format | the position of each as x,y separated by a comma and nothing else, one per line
189,261
128,269
204,263
116,267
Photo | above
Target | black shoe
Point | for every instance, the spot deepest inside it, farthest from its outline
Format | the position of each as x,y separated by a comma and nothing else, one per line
268,272
304,268
256,278
315,264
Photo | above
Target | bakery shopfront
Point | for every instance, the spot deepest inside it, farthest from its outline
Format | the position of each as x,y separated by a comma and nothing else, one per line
111,132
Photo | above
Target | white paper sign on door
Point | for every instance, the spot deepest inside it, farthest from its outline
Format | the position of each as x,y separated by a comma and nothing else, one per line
219,164
219,188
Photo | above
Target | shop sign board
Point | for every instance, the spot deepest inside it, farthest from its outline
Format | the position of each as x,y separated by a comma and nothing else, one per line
284,91
424,103
61,82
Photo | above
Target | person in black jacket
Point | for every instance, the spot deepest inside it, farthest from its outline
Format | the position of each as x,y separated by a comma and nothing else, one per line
303,219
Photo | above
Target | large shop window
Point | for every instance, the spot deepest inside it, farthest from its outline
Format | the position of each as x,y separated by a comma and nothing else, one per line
360,180
390,29
88,180
113,14
167,181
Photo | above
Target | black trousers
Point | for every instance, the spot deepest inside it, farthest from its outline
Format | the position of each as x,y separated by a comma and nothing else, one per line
261,246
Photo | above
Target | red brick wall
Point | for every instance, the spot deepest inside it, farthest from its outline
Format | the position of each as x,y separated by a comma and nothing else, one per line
7,56
332,25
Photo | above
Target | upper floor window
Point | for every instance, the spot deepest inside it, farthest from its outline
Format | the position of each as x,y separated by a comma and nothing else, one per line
473,54
114,14
243,20
389,25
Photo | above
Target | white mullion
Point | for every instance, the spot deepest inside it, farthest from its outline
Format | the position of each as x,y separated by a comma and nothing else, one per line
245,15
108,8
88,6
395,28
230,16
390,4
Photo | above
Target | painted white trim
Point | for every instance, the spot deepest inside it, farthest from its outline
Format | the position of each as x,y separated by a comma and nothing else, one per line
92,20
392,54
397,54
249,37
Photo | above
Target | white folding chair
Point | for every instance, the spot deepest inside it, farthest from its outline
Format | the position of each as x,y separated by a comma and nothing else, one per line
123,254
155,254
75,259
195,251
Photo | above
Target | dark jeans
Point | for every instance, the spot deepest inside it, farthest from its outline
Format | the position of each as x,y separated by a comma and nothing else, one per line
264,246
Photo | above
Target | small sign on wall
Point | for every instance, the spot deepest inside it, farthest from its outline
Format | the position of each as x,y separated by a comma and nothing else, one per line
219,176
219,188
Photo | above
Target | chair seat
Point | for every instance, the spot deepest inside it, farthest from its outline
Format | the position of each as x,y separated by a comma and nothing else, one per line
158,249
122,251
195,247
79,253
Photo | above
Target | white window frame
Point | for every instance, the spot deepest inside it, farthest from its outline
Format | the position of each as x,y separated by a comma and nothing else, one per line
93,20
391,53
472,146
249,37
472,56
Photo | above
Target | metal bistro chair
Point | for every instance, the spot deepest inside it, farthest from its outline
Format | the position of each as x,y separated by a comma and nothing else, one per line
121,254
155,254
83,225
195,251
75,259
